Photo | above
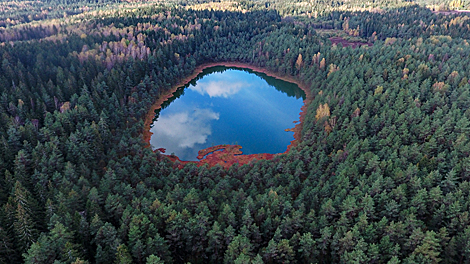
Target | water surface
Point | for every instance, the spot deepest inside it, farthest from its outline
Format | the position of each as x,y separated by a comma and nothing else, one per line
227,105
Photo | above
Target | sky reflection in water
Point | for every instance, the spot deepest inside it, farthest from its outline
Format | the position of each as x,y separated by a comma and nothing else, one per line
229,107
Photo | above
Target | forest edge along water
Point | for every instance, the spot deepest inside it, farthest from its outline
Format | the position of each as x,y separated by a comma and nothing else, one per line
226,155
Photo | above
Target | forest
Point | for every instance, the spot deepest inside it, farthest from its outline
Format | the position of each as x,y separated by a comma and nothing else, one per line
381,172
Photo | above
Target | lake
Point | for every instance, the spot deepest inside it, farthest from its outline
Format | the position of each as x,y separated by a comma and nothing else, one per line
228,105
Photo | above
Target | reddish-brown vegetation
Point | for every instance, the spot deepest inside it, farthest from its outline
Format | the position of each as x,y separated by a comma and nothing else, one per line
225,155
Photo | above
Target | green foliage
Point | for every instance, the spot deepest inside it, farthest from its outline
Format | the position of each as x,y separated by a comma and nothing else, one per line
57,246
381,174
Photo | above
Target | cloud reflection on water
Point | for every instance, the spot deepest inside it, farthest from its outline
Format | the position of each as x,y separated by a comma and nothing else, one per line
219,87
251,114
180,132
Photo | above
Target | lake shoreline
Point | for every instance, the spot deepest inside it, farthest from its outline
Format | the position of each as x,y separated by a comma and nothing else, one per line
199,69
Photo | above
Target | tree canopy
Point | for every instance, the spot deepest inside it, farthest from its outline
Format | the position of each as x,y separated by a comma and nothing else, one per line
381,173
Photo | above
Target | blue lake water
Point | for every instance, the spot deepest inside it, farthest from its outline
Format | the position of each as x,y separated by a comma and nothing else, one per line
226,105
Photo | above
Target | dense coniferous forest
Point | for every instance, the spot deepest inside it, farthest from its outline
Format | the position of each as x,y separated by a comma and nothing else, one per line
381,173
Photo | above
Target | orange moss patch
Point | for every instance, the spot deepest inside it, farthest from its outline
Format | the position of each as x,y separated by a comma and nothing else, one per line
232,149
227,155
162,150
223,155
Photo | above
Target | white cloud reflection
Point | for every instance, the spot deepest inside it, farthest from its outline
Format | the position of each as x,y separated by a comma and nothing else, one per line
219,88
179,132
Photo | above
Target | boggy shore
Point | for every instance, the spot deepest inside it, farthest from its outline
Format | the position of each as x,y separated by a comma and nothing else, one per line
226,155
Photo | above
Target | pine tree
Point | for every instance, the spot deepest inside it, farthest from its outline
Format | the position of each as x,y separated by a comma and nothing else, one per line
239,245
122,255
23,224
152,259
